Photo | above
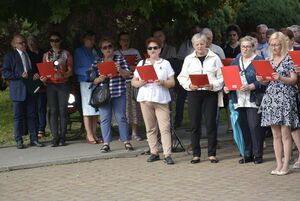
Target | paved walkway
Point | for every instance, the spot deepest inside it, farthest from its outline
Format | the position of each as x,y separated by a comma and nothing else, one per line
132,178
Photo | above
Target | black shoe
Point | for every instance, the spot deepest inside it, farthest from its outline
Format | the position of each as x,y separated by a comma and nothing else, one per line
20,145
153,158
63,143
36,143
128,146
105,148
246,160
213,160
168,160
55,143
258,160
194,161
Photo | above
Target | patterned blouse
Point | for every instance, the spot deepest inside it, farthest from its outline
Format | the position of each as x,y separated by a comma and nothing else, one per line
117,85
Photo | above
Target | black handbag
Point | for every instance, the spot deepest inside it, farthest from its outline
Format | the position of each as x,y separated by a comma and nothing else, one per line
100,95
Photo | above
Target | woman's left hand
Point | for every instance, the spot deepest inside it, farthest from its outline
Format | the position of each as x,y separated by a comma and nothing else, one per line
36,76
208,87
276,76
118,66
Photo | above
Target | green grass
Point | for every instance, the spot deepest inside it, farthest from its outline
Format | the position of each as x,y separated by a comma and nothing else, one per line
6,119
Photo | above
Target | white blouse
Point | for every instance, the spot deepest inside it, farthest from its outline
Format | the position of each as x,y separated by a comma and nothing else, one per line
151,91
243,97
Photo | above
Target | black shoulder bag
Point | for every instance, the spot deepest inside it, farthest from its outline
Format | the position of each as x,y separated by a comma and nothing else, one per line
100,95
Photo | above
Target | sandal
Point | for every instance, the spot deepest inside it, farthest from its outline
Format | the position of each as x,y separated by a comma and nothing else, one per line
41,134
105,148
128,146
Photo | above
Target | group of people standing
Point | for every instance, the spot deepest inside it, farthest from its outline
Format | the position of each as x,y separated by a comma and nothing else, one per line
260,103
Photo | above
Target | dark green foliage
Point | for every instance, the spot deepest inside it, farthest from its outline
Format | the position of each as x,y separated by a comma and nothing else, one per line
275,13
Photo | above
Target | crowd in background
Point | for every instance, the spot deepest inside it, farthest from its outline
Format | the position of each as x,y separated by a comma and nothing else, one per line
262,105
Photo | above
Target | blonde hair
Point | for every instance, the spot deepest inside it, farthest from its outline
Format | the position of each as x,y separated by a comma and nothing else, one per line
249,39
283,40
199,37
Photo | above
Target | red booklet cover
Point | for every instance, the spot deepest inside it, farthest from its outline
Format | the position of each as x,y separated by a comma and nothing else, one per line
199,80
46,69
131,59
263,68
232,78
295,57
227,61
147,73
107,68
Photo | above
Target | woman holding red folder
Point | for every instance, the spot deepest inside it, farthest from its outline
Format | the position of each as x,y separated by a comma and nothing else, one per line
244,101
58,88
279,106
117,104
154,98
204,100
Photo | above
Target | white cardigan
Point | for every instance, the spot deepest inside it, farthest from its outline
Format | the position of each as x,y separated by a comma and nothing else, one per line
211,66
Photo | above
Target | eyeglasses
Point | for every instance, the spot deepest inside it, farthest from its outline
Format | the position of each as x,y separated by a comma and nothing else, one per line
107,47
275,45
246,47
154,47
56,40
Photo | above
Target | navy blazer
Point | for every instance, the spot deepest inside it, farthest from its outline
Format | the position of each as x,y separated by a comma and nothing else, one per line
250,75
12,70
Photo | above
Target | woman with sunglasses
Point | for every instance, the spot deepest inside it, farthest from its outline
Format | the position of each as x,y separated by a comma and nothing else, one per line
154,98
58,88
202,100
244,101
117,104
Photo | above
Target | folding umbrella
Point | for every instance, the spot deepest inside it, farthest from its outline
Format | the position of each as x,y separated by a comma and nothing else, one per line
237,132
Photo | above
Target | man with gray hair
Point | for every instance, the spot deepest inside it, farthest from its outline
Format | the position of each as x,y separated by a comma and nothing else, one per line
213,47
262,39
296,30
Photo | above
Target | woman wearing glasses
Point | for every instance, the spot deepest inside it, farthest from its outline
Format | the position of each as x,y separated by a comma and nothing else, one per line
154,98
58,89
244,101
204,100
117,104
278,107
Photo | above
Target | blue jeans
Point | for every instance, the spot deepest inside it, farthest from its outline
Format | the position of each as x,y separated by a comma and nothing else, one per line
118,106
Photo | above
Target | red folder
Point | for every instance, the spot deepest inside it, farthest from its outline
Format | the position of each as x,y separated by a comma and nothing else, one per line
227,61
199,80
232,78
46,69
147,73
107,68
295,57
263,68
131,59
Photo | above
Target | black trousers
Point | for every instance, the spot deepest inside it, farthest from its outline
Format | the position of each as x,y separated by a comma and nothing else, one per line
57,96
253,134
203,103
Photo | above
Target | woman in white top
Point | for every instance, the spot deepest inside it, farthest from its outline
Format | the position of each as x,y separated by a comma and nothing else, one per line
154,98
244,101
204,100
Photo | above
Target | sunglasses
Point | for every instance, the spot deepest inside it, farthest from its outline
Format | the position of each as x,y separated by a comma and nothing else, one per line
54,40
154,48
107,47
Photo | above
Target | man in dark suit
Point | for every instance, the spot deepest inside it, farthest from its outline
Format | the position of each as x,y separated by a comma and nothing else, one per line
18,69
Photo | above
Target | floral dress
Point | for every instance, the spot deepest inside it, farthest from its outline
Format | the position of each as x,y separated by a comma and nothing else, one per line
279,106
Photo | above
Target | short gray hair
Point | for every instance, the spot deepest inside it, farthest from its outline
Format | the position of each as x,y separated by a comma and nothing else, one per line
199,37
